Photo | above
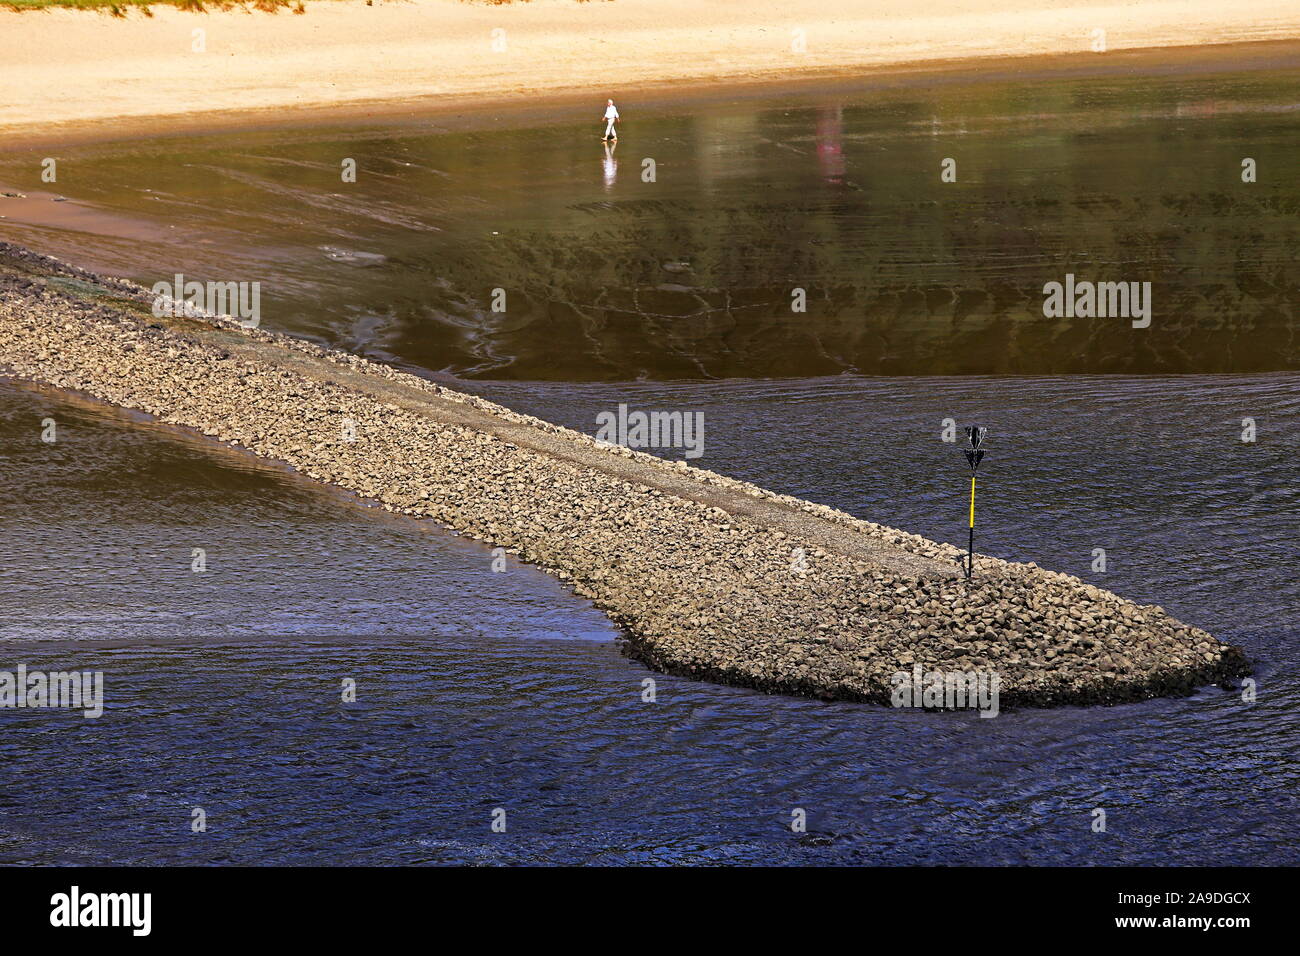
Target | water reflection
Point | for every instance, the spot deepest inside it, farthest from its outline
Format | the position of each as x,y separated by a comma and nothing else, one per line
611,164
904,273
830,152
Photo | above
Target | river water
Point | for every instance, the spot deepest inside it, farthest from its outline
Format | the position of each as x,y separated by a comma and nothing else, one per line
478,690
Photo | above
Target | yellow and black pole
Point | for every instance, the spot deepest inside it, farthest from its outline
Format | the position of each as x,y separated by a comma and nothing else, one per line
974,455
970,548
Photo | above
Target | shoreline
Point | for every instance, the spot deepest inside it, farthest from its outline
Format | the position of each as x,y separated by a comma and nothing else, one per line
32,206
503,110
695,567
347,63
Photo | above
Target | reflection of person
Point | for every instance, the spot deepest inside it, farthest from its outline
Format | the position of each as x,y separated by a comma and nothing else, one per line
611,117
611,164
830,149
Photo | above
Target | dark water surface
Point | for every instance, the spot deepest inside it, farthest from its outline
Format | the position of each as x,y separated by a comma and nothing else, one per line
479,690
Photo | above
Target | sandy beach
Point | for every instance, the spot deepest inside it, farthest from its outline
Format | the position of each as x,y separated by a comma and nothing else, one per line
61,70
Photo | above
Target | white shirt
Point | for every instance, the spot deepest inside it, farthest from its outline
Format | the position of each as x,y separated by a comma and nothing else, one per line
611,112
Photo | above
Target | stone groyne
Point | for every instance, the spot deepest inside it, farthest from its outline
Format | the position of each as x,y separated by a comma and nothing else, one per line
698,569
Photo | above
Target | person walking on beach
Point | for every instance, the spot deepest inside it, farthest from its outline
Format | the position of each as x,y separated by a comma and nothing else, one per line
611,117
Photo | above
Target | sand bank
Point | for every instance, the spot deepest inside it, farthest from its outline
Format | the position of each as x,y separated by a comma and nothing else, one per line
710,577
62,69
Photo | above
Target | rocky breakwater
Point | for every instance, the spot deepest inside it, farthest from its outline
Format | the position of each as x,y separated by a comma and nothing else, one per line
709,577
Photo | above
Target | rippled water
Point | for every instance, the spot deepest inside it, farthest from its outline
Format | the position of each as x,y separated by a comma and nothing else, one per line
478,690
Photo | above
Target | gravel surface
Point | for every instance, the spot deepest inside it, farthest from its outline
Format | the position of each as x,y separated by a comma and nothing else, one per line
699,570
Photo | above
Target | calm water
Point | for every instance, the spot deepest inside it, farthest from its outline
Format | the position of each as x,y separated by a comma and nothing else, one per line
609,277
479,690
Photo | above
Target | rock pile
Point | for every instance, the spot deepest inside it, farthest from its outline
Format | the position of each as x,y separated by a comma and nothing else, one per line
699,569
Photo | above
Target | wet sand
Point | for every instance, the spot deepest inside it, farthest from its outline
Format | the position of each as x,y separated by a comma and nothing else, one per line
710,577
56,211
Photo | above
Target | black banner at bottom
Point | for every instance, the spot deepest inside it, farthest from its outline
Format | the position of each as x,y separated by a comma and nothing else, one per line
335,905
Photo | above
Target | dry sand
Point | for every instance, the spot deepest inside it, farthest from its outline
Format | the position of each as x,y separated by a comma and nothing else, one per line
62,69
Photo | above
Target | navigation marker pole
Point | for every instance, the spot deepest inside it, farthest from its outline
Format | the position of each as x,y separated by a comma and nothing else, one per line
974,455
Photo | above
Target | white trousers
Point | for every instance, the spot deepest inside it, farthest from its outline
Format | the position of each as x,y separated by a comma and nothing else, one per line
609,130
